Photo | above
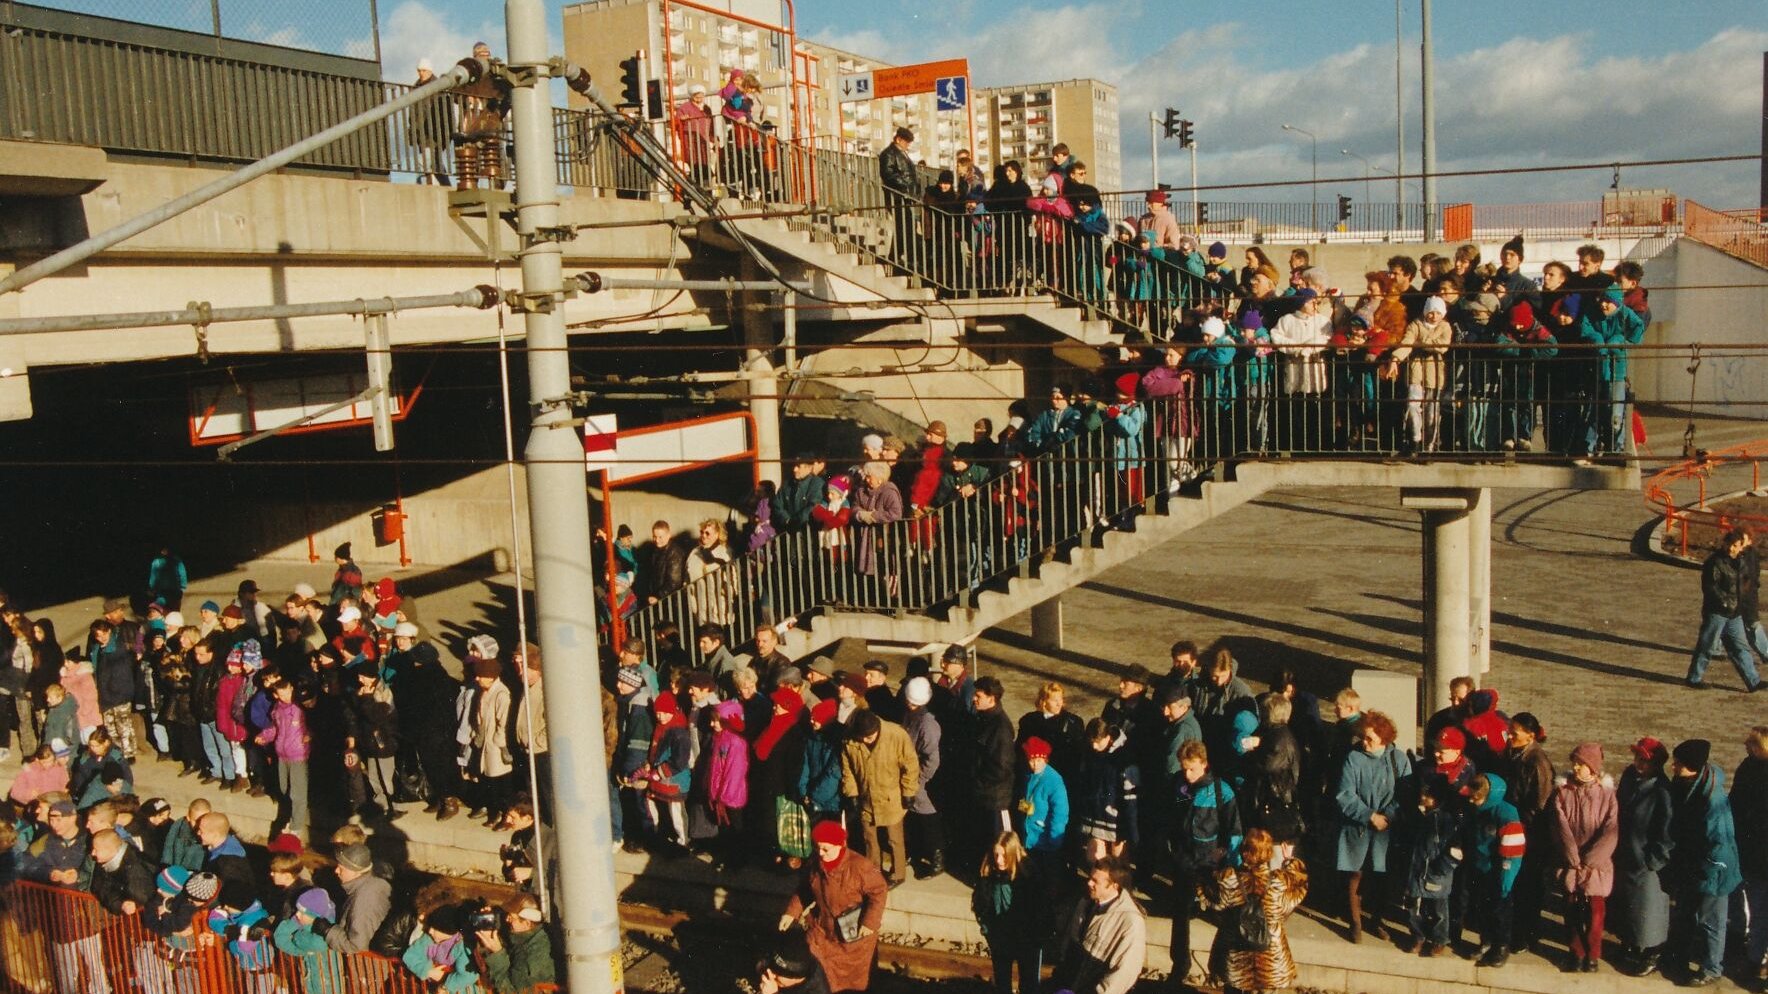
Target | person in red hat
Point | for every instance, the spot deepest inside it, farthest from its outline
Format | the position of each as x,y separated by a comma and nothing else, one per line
1124,421
847,896
1639,910
1452,766
1523,342
1043,802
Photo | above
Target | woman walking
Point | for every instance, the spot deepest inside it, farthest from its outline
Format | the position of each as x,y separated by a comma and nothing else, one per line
845,894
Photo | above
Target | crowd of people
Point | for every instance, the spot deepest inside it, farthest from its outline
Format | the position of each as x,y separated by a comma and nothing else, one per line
333,704
1188,793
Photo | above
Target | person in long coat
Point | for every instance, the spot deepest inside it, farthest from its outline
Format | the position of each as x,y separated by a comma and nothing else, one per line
1368,799
1586,818
1279,892
876,503
1641,914
841,882
1749,812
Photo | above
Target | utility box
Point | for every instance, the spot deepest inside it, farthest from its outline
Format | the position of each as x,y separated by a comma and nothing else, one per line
1395,695
389,524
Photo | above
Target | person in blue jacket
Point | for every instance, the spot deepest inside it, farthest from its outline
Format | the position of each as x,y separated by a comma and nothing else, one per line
1496,843
1213,363
1043,802
1124,422
1203,835
1704,866
819,779
1433,843
1617,329
1370,787
1056,426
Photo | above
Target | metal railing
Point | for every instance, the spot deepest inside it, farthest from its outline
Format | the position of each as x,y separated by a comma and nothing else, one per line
1743,234
1691,527
57,939
1066,479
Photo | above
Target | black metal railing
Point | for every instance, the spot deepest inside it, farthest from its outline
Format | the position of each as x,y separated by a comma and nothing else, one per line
1071,476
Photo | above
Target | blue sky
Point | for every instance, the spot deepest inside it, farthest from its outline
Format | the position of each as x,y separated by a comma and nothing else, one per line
1518,83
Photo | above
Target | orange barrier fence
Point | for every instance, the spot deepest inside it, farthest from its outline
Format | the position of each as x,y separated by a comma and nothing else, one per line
1740,233
53,939
1679,494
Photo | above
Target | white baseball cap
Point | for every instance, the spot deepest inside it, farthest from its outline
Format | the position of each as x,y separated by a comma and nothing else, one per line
405,629
349,614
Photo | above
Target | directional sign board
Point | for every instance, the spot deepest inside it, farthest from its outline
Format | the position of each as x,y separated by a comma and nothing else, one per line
904,81
952,92
855,86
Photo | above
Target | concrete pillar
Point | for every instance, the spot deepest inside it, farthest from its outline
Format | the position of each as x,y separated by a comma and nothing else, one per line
1479,547
764,390
1046,624
1448,576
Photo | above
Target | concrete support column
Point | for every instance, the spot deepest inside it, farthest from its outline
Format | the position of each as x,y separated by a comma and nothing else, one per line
1448,576
1046,624
1479,547
764,389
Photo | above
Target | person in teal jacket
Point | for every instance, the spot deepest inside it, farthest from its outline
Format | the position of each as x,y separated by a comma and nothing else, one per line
1495,845
1055,427
797,497
1704,866
1043,801
1124,423
819,779
1615,331
440,955
322,970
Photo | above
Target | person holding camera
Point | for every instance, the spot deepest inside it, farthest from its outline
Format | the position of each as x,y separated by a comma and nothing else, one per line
791,967
523,959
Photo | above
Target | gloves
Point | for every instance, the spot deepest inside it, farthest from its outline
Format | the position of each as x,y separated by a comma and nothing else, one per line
321,926
786,922
1113,411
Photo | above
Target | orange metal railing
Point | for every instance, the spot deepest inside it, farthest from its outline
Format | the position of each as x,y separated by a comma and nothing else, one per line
56,939
1740,233
1679,494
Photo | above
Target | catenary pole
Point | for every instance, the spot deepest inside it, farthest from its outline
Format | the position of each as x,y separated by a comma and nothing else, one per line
1427,80
558,512
1399,118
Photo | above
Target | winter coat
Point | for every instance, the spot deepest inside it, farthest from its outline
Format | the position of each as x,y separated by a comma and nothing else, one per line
113,668
884,505
1496,840
924,733
712,600
132,880
1704,860
1011,911
662,570
1640,911
897,172
322,970
1052,429
525,960
853,882
1160,752
62,723
1424,346
232,686
35,779
991,771
1273,776
1043,811
1749,814
1107,947
1586,820
1529,775
288,733
371,722
1096,797
89,774
1272,968
1721,585
879,776
487,751
819,776
1063,731
1613,333
1125,429
795,499
183,848
459,978
367,901
1300,339
1368,785
924,491
1433,852
1204,830
77,680
727,773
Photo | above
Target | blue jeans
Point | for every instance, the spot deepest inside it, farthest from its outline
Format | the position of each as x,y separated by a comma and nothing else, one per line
1697,930
1429,918
1716,628
219,752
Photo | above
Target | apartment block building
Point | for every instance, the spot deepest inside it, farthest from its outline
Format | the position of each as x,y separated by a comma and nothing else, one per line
1024,122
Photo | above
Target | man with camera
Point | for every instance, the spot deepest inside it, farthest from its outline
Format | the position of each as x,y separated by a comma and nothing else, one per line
522,959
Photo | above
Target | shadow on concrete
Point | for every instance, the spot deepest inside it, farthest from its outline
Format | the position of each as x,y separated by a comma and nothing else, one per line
1261,659
1107,668
1509,620
1301,631
1362,519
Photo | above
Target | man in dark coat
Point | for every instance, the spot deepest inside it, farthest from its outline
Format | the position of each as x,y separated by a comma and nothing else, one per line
1703,868
662,565
1721,613
122,878
991,764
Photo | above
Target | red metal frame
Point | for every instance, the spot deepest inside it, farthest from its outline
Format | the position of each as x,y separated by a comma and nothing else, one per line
790,29
197,424
1660,496
752,453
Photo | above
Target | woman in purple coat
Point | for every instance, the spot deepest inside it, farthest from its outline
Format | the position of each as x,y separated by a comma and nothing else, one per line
1587,820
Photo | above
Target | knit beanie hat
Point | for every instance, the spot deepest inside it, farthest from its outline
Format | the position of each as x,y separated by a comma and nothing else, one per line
1522,315
483,646
1217,250
356,858
316,903
1590,754
918,692
829,832
170,883
1692,754
202,887
1035,748
1452,738
825,711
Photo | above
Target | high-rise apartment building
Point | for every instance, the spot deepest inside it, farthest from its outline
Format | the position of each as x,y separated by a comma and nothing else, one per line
1024,122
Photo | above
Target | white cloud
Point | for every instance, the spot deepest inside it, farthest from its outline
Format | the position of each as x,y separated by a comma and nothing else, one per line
1524,101
1052,43
414,30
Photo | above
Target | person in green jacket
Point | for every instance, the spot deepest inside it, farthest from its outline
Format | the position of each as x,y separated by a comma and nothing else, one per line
322,970
525,959
440,955
1618,329
797,497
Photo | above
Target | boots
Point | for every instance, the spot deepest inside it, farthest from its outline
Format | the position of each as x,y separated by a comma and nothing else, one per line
450,808
238,786
1356,907
1495,957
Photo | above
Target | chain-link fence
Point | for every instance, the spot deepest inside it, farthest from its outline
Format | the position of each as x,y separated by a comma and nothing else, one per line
336,27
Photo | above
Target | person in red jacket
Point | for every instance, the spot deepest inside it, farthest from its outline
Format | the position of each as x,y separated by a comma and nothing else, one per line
925,486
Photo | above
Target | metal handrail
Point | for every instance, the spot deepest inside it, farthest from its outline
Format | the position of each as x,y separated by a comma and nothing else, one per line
1224,406
1679,513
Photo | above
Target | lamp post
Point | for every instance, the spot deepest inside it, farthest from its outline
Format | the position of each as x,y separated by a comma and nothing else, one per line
1313,190
1366,167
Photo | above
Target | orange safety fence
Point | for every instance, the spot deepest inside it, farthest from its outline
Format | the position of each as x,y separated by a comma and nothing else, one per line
53,939
1740,233
1679,494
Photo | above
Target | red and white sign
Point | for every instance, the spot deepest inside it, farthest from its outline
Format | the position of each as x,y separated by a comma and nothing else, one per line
658,450
601,441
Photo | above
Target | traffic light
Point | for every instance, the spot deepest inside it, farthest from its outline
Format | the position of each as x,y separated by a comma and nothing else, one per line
1186,139
1202,212
1171,123
653,100
1344,207
632,89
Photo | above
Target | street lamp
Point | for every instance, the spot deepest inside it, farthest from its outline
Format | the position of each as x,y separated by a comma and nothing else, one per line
1366,167
1313,198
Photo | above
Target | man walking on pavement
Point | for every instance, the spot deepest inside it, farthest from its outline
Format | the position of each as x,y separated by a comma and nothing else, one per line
1721,620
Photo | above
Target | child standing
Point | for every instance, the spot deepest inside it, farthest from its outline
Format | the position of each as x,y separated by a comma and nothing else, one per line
292,745
1435,848
1495,846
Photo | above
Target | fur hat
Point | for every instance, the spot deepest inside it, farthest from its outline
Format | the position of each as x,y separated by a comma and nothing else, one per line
917,692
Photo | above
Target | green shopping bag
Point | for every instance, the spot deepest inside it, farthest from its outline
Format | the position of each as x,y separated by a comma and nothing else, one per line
792,824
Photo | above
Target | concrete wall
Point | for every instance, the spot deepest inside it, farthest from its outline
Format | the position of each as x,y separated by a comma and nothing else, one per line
1724,303
953,384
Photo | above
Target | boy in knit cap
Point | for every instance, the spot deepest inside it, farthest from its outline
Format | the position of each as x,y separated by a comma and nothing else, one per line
321,969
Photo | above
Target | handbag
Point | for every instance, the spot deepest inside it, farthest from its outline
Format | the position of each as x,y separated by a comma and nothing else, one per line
792,826
847,926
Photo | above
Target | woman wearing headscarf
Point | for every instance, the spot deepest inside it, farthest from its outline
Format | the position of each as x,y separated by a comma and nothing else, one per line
779,756
1641,906
1586,817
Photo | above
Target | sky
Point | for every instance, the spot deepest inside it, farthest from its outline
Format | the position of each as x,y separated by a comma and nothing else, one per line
1518,82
